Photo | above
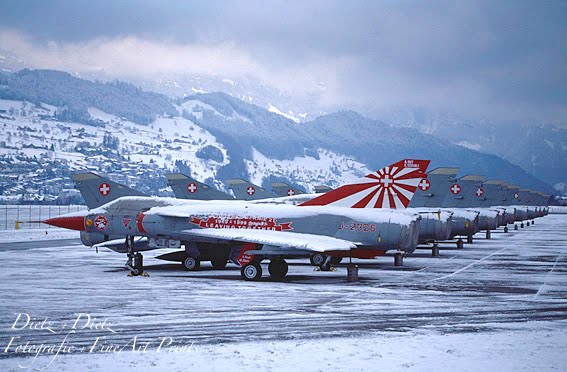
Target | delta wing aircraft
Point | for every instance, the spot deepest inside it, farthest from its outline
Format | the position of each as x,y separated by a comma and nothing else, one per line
435,224
470,194
98,190
432,193
343,222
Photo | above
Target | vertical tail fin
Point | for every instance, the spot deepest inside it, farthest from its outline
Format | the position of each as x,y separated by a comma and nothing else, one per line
390,187
97,190
185,187
284,189
244,190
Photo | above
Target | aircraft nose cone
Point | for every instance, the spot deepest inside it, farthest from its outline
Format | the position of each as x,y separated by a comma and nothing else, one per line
71,223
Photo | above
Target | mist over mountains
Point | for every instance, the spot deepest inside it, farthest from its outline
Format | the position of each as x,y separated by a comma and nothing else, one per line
219,136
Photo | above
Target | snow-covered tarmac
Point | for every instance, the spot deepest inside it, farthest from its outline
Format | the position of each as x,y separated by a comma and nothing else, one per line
497,304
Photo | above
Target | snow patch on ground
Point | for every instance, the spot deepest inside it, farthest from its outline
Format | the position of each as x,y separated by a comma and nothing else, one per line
101,115
468,145
28,235
330,169
550,144
497,305
540,349
290,116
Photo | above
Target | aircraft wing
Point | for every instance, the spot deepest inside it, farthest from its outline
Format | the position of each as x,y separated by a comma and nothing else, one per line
310,242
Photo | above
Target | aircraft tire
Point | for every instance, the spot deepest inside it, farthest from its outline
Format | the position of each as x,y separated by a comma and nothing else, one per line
191,264
219,263
317,259
251,271
278,269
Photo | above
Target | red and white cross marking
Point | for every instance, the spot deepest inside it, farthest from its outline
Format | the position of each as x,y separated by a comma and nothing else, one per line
104,189
424,184
192,188
290,192
250,190
386,180
455,189
479,192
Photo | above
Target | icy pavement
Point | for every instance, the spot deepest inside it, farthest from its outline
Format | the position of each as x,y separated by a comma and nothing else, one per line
23,235
499,303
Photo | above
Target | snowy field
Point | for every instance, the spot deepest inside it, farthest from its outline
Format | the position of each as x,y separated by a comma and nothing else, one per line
498,304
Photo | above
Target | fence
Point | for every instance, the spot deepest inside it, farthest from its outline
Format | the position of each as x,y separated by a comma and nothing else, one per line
19,216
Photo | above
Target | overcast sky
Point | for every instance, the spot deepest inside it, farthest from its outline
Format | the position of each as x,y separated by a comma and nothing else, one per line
492,58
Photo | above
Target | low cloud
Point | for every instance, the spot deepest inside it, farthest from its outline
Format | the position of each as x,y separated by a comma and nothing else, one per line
503,60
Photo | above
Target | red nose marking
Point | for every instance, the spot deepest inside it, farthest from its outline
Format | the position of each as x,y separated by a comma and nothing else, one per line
71,223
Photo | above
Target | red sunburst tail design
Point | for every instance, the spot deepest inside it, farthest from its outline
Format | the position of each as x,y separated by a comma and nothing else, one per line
390,187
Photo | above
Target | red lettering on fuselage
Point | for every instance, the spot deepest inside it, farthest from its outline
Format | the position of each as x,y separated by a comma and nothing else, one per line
257,223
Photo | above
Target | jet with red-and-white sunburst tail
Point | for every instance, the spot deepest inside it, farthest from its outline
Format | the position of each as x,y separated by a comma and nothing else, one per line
343,223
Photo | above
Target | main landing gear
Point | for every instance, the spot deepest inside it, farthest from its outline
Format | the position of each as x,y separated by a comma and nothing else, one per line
460,244
253,271
191,263
435,250
324,262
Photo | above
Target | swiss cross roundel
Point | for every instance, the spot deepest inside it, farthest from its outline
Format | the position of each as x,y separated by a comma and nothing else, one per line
424,184
290,192
455,189
479,192
192,188
104,189
250,190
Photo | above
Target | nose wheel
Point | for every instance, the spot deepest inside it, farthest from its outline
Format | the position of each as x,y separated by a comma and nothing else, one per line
135,261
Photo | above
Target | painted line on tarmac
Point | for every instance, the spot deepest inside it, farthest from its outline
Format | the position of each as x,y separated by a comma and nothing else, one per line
548,274
476,262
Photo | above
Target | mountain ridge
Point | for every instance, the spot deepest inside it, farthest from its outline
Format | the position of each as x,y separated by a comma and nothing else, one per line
247,141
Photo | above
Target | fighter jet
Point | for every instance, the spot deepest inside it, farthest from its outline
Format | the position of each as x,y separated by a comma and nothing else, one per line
348,224
470,196
435,223
432,193
98,190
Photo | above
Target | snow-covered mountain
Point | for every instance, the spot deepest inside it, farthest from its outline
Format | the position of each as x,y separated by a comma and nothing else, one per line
539,148
54,124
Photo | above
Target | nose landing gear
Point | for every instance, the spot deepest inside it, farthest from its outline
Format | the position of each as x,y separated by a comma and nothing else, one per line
135,261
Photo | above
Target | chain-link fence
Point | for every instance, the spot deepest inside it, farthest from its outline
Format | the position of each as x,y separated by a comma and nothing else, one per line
28,216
